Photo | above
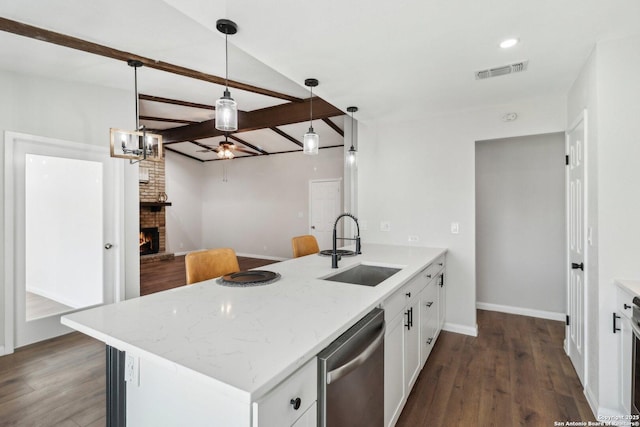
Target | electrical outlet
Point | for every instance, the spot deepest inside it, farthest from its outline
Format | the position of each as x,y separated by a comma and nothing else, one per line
414,238
132,370
455,228
385,226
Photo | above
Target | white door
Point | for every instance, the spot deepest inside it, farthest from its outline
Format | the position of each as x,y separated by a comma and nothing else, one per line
62,243
576,142
325,204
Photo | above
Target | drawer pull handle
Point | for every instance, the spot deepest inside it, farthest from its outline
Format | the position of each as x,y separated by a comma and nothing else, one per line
440,264
428,276
430,340
627,306
296,403
429,304
408,294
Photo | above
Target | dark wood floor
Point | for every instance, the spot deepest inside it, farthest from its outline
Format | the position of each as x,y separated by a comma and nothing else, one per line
163,275
515,373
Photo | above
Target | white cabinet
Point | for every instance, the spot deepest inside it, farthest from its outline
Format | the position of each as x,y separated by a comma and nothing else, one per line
292,402
625,342
394,385
412,327
428,320
309,418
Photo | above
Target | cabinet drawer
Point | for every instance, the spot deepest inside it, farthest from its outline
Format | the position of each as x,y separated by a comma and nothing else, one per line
398,301
428,338
429,301
276,409
432,271
624,302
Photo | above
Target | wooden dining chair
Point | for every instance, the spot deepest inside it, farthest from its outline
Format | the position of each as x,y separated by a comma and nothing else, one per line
209,264
304,245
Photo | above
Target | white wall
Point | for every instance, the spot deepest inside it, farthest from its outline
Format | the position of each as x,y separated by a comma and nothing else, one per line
609,87
520,224
264,200
73,112
184,183
420,176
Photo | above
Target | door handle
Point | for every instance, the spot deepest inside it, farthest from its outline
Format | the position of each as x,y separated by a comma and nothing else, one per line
343,370
108,246
575,266
313,227
615,329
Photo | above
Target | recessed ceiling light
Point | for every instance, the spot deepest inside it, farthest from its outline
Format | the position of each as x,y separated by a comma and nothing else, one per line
506,44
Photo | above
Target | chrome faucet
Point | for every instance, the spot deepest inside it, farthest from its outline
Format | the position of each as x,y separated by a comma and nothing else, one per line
335,257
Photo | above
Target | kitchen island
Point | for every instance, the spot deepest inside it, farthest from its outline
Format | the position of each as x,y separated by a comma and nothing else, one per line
212,352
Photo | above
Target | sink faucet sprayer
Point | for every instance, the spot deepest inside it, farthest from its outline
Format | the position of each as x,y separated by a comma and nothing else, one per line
334,253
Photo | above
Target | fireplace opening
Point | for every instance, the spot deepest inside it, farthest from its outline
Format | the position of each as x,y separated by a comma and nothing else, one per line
149,241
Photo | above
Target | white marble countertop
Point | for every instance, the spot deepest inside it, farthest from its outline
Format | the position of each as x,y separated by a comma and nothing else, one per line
632,286
246,340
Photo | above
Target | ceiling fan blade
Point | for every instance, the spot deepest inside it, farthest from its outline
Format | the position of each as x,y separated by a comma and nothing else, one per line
207,150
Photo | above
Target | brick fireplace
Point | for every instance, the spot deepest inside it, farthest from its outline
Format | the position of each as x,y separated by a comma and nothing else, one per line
153,205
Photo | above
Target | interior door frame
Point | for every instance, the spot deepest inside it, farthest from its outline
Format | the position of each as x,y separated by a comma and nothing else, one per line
315,181
10,140
581,118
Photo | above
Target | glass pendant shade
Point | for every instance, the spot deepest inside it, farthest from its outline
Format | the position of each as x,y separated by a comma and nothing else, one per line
226,113
311,142
351,157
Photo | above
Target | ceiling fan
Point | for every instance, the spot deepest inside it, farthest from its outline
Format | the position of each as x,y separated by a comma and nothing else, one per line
225,149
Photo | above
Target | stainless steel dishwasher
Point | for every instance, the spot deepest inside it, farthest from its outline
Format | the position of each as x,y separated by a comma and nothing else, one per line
351,376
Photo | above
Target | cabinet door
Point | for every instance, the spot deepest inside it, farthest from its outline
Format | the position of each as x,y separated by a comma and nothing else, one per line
411,345
309,419
394,390
625,343
428,320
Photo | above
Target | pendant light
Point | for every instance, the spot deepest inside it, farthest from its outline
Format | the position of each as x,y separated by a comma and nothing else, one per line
351,156
136,145
311,140
226,107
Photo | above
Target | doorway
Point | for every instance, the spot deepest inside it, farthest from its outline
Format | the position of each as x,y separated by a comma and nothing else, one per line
520,225
325,204
61,202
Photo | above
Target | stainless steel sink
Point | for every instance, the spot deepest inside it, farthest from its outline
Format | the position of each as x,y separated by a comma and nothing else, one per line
363,274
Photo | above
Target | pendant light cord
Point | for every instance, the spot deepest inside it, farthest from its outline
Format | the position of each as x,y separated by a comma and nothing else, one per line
226,61
135,85
311,113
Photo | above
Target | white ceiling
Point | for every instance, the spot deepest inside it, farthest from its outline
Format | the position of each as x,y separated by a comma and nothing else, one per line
394,60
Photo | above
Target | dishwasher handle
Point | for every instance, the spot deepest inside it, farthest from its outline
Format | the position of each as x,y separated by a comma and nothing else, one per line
354,363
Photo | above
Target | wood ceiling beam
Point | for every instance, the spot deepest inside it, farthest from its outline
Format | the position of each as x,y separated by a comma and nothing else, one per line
287,136
278,115
334,126
253,147
182,154
60,39
152,98
168,120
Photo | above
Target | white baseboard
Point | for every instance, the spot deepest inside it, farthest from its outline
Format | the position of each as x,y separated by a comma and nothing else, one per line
591,400
461,329
2,353
551,315
273,258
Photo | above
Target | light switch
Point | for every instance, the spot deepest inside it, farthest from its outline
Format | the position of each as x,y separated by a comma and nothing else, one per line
455,228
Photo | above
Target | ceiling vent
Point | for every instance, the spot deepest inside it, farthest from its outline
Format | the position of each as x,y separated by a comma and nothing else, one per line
501,71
